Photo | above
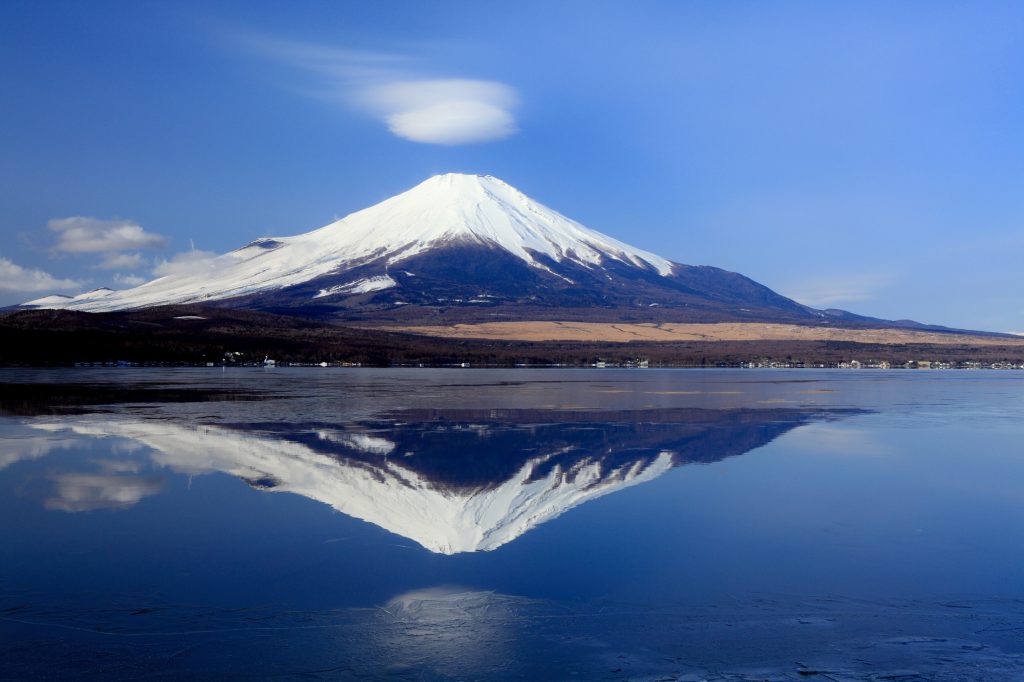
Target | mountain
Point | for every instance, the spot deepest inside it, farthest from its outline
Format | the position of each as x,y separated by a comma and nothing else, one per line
451,480
462,247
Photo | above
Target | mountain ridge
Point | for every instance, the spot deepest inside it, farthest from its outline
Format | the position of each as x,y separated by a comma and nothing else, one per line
450,210
460,248
513,470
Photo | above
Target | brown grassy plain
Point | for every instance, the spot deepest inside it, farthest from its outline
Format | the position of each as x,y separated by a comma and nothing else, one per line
680,332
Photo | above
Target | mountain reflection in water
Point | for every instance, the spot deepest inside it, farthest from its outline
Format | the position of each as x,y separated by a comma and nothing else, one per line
457,480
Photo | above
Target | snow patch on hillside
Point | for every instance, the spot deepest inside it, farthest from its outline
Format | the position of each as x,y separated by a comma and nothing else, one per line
373,445
360,286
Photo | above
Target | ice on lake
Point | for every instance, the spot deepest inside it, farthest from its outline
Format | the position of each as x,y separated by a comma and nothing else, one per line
447,524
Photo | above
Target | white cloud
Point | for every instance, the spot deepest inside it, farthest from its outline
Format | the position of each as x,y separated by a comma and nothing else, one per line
15,278
445,111
121,261
79,234
17,449
193,262
448,112
824,292
128,280
85,492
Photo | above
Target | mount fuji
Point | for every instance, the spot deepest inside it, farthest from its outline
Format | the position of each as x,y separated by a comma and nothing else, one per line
452,481
455,247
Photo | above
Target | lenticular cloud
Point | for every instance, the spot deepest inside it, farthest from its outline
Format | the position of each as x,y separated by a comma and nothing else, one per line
448,112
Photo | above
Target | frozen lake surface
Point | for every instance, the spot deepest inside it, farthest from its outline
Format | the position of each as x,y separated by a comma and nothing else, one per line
511,524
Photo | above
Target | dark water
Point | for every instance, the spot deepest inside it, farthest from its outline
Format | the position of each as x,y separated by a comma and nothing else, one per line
474,524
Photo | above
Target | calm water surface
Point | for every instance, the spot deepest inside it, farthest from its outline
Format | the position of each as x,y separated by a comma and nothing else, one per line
478,524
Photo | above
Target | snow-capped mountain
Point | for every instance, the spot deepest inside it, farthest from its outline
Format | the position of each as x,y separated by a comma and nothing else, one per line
457,241
389,494
425,480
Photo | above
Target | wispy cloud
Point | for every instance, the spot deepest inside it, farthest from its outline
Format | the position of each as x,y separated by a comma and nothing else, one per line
128,280
116,243
86,492
193,262
17,448
121,261
16,278
414,106
79,234
824,292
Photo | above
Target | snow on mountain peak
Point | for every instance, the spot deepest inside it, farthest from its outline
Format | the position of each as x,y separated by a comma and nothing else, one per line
483,208
388,495
446,209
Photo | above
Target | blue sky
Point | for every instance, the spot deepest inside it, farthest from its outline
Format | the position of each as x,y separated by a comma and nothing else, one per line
867,156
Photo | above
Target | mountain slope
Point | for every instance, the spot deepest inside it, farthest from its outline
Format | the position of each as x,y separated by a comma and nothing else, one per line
463,245
451,481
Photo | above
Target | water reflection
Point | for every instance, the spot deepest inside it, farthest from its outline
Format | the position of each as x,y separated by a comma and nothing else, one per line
451,629
121,560
86,492
453,481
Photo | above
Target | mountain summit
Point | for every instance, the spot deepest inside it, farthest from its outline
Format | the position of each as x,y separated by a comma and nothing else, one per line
458,247
473,209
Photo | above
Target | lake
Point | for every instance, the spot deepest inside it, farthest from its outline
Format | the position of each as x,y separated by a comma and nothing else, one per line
430,524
